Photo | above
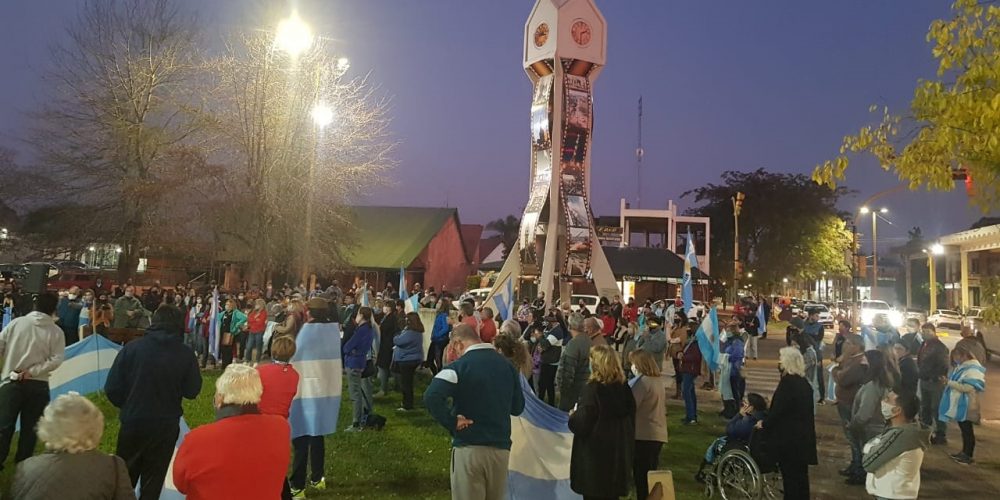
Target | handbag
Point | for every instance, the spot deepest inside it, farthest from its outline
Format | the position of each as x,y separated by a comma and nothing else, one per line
369,370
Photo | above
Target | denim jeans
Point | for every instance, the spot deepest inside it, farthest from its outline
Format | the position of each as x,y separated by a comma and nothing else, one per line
383,379
690,399
360,390
254,341
930,400
845,417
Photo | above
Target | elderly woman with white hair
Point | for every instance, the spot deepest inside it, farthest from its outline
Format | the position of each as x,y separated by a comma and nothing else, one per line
789,428
243,454
71,428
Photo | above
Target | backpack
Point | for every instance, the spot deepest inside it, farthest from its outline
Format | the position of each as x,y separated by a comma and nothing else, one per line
374,421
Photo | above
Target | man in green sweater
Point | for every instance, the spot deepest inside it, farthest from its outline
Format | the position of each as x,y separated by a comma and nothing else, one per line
485,391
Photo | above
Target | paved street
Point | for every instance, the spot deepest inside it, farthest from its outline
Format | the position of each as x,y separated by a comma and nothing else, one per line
941,477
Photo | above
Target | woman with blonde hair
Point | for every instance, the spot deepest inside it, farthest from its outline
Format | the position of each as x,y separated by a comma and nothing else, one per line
649,392
603,426
71,428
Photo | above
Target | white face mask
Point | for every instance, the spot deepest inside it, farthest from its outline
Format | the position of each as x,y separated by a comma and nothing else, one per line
635,371
72,296
888,410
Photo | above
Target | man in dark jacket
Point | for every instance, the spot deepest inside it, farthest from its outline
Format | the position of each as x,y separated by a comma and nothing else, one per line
388,328
484,390
932,369
574,364
147,381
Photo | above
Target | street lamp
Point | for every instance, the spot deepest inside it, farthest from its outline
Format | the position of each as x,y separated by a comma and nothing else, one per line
865,210
749,275
293,36
343,64
322,115
934,250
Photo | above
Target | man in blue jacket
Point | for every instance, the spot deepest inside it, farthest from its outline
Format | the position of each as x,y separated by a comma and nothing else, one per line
147,381
485,391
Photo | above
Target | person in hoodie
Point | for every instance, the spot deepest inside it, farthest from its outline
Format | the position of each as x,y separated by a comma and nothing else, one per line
893,458
147,381
32,347
603,427
439,337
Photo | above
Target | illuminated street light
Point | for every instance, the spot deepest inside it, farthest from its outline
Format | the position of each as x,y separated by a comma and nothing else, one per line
749,275
937,249
92,249
322,115
884,210
118,250
343,64
784,280
865,210
293,36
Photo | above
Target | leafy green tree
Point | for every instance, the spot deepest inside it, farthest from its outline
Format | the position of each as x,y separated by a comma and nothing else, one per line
954,121
789,226
508,228
989,299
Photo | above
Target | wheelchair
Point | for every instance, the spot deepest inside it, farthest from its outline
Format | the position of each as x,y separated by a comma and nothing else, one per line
743,471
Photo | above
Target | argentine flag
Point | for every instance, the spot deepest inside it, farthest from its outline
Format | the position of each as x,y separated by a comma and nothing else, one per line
316,405
708,339
213,325
503,299
541,445
690,261
403,294
762,319
955,404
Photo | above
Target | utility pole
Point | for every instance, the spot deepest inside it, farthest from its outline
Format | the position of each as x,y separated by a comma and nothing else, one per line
638,161
737,207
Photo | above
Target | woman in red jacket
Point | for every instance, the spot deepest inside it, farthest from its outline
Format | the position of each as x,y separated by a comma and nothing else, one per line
256,323
690,369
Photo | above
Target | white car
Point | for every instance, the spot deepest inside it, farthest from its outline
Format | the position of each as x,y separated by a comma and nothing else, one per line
871,308
946,318
988,334
825,316
589,301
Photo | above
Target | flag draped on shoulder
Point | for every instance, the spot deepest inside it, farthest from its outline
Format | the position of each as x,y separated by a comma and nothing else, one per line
690,262
762,319
541,446
317,358
955,403
708,339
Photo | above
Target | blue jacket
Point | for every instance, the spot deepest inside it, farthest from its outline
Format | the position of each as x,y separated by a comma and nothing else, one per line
441,328
734,348
358,349
409,346
483,387
740,427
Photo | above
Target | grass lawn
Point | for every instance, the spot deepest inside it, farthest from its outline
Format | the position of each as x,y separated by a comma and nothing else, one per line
410,457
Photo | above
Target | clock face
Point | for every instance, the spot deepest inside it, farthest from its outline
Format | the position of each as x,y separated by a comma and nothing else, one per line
581,33
541,34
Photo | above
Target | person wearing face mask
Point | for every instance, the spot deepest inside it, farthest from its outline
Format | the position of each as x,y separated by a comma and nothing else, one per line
650,418
893,458
85,323
32,347
196,328
388,328
691,360
128,309
69,314
104,315
231,322
676,343
960,400
256,323
866,420
357,353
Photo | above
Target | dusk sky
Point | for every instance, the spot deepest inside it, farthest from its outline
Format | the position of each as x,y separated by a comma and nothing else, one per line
726,85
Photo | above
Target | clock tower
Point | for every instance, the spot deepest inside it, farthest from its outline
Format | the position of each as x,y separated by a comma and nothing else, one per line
565,47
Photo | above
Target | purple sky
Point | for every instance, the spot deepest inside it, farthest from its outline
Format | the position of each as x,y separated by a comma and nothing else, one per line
725,86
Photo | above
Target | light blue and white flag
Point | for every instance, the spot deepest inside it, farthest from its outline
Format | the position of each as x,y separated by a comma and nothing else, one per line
85,367
403,294
708,339
762,319
213,325
541,445
412,304
954,403
690,262
725,371
317,358
169,491
366,300
503,299
8,315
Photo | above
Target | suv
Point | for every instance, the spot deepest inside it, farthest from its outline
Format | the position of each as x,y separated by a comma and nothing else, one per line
988,334
589,301
871,308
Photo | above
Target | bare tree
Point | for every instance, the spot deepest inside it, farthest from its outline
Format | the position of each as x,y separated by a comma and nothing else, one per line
119,122
280,158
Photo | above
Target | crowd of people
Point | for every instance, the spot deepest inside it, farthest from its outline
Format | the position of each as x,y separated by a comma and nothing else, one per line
605,368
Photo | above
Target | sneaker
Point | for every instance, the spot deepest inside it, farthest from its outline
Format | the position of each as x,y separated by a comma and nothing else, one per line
379,394
353,428
298,494
402,410
857,480
318,485
939,440
690,422
962,458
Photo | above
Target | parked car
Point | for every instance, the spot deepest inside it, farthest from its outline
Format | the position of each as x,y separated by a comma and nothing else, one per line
941,317
83,278
988,334
480,294
871,308
589,301
825,316
13,271
912,312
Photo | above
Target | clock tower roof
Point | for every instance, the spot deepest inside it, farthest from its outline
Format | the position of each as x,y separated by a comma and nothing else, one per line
567,29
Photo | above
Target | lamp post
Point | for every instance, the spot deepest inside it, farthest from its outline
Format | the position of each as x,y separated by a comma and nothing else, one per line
737,207
784,286
322,116
826,289
293,36
866,210
935,249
